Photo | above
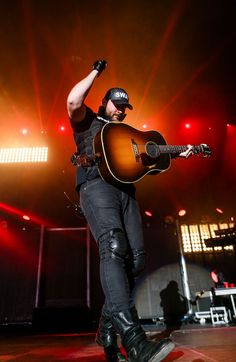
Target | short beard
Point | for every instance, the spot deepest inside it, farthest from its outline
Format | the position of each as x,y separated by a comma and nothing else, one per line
102,113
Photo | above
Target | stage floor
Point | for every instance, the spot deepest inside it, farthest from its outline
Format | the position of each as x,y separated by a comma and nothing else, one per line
193,344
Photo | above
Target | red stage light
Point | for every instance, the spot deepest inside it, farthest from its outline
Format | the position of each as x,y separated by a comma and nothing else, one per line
14,211
62,128
187,125
148,213
220,211
26,217
214,276
182,212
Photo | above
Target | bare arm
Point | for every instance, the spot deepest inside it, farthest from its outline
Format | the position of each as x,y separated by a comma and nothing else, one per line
75,100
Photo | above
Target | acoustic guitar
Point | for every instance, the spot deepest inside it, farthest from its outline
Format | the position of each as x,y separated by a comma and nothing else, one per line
126,154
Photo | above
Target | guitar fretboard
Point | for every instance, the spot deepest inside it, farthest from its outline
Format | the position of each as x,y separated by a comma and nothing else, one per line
175,149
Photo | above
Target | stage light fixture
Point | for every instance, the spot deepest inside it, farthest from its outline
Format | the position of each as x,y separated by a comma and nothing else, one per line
23,154
194,236
148,213
24,131
182,212
26,217
62,128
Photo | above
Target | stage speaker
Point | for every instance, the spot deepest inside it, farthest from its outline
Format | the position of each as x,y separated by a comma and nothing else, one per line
63,296
203,301
62,273
18,274
64,268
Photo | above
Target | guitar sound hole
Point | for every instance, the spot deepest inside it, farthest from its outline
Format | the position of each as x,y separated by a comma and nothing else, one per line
152,149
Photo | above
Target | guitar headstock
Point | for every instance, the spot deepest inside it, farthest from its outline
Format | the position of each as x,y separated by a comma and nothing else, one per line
203,150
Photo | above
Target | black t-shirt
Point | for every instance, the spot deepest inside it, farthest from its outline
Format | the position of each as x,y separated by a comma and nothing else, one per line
78,128
85,123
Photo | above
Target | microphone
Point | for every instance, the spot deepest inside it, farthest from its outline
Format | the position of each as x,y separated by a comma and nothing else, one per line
121,116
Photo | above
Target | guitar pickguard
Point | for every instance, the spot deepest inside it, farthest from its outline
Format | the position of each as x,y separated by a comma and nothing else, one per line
135,150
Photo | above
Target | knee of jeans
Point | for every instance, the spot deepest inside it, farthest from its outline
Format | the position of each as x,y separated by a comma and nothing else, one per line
114,244
139,261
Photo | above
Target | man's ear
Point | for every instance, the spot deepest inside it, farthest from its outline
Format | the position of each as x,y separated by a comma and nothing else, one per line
104,102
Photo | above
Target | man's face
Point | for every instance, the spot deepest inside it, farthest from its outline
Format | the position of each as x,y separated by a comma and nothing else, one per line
115,112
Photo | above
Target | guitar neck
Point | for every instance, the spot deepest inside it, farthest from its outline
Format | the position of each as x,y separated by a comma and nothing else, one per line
177,149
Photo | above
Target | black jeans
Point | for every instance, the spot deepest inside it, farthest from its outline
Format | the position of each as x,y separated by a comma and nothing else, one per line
106,208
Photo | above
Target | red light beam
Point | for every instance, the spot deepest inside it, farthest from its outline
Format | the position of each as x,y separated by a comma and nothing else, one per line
14,211
162,44
197,73
32,58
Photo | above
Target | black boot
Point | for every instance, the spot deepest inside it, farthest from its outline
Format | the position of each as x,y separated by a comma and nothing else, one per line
107,338
134,340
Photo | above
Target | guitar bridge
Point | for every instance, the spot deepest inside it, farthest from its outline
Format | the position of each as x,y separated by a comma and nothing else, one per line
135,150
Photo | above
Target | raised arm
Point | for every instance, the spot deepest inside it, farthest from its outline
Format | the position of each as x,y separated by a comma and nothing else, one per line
75,100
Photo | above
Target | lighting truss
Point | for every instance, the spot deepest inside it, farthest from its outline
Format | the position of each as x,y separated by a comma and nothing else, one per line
23,154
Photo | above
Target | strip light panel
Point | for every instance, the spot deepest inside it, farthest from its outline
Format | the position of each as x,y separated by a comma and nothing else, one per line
23,154
193,237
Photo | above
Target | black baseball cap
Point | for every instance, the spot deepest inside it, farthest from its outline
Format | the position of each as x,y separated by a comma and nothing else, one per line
118,96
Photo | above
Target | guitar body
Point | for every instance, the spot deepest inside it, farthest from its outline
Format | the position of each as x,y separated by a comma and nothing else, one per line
126,154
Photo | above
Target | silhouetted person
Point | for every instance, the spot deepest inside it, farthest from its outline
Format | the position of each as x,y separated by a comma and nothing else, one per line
173,304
